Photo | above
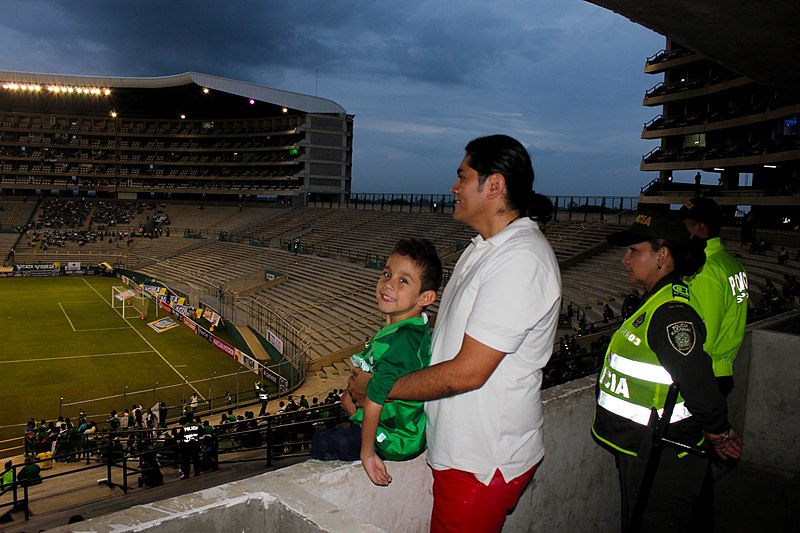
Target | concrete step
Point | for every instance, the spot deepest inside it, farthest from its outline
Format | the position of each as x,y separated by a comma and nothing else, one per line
343,368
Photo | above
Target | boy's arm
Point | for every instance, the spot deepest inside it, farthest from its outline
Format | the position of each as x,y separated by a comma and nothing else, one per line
347,403
372,464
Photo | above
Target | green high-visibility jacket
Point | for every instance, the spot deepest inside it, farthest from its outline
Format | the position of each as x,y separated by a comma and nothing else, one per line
719,294
632,381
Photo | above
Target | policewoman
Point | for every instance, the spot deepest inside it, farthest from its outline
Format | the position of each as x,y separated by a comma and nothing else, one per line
660,343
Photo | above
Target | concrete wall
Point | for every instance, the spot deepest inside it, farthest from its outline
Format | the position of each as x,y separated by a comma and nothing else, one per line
575,489
772,411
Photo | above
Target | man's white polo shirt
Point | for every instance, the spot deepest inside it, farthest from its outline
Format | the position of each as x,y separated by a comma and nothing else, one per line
505,292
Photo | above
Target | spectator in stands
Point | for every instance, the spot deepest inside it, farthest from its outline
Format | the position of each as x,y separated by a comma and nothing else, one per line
608,313
493,336
162,415
390,430
7,477
660,344
790,287
630,304
783,256
30,473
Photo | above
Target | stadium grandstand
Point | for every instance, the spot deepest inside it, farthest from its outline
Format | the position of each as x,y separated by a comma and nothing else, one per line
191,136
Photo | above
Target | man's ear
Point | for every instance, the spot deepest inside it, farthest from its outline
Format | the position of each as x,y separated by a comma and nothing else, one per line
495,185
426,298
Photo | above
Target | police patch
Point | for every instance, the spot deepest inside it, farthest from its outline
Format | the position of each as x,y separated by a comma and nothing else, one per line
680,290
639,320
682,337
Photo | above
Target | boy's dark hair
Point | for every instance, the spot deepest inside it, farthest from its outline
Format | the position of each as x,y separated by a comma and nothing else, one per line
423,253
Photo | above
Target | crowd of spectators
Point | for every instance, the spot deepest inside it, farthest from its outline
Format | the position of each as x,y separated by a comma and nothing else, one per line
144,433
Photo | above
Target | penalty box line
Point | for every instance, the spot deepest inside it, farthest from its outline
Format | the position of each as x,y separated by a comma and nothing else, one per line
86,329
148,343
65,357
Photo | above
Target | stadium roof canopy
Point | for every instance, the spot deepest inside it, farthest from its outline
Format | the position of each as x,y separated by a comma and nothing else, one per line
169,92
758,40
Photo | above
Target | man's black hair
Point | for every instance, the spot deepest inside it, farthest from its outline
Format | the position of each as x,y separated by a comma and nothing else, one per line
505,155
423,253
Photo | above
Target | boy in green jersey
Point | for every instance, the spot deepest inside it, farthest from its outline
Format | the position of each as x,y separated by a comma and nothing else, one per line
395,430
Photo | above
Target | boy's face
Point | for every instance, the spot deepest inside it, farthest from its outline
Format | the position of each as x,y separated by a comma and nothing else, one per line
398,292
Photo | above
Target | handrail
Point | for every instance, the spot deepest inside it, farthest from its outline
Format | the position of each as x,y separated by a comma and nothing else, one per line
653,120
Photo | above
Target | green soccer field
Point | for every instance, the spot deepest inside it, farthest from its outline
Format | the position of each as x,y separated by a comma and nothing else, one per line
64,348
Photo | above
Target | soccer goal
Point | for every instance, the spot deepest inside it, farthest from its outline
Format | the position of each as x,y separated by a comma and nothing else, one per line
128,303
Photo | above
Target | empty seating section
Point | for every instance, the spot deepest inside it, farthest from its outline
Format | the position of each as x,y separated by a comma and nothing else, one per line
334,301
596,281
359,234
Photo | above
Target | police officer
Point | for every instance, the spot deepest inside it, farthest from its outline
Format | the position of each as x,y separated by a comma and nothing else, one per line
189,439
263,396
660,343
719,290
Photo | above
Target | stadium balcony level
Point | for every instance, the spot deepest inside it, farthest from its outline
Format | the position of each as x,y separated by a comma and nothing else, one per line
753,155
730,118
661,94
665,60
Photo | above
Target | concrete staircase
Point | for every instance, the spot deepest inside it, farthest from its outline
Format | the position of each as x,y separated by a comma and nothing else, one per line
337,368
255,346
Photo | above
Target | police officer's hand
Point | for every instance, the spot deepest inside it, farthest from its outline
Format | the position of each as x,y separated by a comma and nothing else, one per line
727,444
357,384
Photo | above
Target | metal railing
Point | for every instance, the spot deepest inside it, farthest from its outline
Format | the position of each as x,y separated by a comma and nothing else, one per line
122,454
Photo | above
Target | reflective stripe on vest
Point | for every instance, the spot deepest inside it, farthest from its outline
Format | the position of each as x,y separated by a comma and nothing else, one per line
639,370
637,413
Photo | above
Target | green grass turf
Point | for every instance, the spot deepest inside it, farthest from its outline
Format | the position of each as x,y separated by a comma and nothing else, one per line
61,339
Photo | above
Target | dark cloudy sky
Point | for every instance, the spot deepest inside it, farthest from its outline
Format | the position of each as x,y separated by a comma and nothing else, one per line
421,77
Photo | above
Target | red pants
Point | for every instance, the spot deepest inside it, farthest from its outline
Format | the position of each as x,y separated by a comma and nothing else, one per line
462,503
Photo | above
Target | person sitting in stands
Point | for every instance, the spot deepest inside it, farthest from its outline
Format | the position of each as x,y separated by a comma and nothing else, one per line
783,256
395,430
608,313
30,473
7,479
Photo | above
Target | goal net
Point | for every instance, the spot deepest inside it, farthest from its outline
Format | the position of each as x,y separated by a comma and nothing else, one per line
128,303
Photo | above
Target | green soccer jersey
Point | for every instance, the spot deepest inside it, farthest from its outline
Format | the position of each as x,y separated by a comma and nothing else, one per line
393,352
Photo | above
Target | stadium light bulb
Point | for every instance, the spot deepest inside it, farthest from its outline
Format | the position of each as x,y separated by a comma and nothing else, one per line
205,90
252,101
183,116
285,110
113,114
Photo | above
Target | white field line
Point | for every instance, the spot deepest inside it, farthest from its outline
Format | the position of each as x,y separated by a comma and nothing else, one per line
64,357
66,316
86,329
148,343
